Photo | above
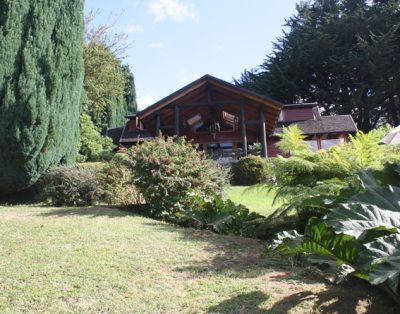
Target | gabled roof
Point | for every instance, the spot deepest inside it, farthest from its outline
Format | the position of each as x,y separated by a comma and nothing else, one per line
301,105
133,136
114,134
325,125
201,82
226,91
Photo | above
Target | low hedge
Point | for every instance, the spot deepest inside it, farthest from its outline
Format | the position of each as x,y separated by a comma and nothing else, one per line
251,170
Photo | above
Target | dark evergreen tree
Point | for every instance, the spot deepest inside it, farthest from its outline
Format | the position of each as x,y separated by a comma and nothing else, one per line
41,83
343,54
130,91
119,106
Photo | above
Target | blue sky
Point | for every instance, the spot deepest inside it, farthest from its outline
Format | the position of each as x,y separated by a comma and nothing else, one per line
177,41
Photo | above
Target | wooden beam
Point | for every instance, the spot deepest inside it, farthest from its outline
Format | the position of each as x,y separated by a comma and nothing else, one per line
243,127
176,120
264,150
319,144
209,94
158,123
167,127
205,103
253,121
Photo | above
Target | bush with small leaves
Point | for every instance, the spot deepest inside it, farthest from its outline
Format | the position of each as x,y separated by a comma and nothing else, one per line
70,186
251,170
168,170
116,183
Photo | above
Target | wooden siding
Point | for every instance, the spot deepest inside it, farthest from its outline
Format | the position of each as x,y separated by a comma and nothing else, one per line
297,114
273,150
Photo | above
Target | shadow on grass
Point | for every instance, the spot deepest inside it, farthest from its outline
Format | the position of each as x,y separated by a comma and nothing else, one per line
238,257
330,301
242,303
241,257
92,212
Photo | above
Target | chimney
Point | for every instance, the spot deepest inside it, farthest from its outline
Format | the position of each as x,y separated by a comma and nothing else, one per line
317,113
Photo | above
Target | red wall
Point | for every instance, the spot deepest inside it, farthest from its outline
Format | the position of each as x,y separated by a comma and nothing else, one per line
273,150
297,114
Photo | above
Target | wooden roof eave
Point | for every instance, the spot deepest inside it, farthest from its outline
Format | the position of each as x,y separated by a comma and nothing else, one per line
205,80
171,98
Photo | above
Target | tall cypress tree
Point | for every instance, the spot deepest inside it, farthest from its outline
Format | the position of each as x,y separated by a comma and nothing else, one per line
130,91
41,83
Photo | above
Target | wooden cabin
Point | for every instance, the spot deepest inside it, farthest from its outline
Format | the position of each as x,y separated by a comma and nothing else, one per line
226,120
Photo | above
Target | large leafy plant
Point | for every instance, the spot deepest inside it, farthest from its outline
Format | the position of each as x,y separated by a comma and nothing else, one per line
221,216
167,171
311,183
360,237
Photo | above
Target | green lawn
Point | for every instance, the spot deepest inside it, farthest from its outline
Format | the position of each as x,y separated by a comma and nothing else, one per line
91,260
255,199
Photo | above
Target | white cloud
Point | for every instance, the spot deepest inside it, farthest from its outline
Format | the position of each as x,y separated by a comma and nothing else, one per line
172,9
134,28
144,101
220,48
157,45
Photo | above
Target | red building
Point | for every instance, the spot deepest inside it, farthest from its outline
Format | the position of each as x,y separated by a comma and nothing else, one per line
225,119
322,131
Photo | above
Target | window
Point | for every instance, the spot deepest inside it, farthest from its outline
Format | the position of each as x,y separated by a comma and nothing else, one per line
229,121
194,120
230,118
313,144
327,143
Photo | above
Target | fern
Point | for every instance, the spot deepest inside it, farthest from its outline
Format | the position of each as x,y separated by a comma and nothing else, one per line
292,141
313,182
365,150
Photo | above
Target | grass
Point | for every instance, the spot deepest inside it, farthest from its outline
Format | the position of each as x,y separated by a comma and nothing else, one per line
256,200
90,260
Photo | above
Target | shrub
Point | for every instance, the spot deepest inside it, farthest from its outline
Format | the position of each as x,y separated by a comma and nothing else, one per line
70,186
116,183
221,216
92,145
251,170
167,171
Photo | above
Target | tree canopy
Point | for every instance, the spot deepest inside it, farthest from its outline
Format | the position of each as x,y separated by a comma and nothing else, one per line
343,54
109,87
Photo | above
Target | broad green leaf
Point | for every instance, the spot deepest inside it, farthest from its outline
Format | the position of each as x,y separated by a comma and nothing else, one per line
218,221
320,239
357,219
384,197
382,258
284,242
